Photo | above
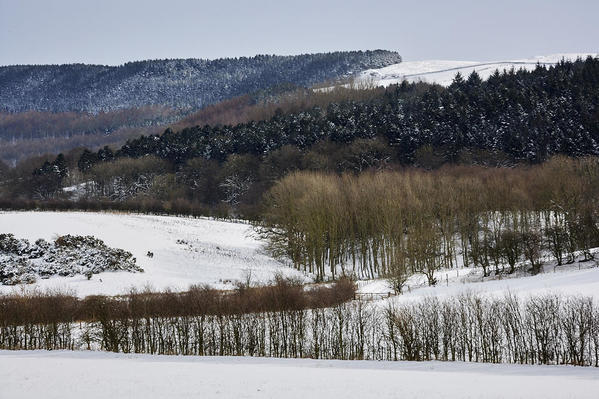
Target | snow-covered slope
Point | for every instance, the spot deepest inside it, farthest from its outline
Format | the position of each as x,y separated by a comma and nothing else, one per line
186,250
574,279
200,251
75,375
443,72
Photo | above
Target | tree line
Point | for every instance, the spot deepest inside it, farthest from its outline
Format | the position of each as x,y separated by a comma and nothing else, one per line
399,223
514,118
184,84
35,133
47,311
549,329
526,115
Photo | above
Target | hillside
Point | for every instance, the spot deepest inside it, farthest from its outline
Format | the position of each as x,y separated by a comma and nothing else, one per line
225,246
526,114
178,83
511,118
190,251
185,251
443,71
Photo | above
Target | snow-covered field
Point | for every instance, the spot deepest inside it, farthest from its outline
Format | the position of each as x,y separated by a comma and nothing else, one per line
197,251
443,72
190,251
574,279
186,250
66,375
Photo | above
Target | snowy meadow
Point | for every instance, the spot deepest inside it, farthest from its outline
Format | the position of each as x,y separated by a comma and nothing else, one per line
101,375
518,319
184,250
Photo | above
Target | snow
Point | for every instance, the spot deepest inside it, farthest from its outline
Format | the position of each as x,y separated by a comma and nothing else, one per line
186,250
23,261
575,279
90,375
442,72
76,191
202,251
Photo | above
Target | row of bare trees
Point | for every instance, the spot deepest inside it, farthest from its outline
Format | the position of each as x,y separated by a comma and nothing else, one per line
397,223
283,294
539,330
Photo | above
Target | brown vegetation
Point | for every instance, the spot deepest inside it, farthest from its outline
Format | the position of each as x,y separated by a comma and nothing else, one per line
33,133
539,330
244,109
414,221
282,295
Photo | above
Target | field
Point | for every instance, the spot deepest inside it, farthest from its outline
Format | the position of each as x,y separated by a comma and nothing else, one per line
202,251
186,250
100,375
575,279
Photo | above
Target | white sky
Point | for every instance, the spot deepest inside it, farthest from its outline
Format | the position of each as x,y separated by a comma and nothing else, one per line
116,31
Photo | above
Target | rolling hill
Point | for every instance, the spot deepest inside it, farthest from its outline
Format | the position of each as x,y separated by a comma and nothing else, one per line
177,83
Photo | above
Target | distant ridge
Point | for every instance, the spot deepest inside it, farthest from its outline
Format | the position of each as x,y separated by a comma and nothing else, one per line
178,83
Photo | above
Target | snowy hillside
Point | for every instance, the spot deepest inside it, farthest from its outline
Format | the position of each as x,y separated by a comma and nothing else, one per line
74,375
186,251
176,83
443,72
574,279
199,251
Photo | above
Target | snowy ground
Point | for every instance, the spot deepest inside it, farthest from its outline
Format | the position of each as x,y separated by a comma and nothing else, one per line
574,279
66,375
186,250
191,251
443,72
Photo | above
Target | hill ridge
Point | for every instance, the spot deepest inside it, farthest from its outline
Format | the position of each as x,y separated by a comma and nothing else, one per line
178,83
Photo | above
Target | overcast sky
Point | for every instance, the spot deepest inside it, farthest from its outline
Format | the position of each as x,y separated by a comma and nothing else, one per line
116,31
